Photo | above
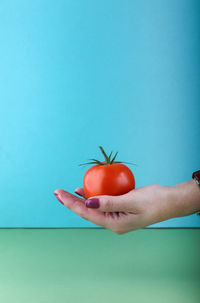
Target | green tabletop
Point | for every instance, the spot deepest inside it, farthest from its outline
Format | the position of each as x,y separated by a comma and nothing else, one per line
95,265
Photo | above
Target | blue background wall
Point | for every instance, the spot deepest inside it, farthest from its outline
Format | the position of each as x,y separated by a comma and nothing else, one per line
78,74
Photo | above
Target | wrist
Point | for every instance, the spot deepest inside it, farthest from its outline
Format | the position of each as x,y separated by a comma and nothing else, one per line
184,198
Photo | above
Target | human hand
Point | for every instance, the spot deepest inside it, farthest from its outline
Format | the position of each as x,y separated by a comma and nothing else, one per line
136,209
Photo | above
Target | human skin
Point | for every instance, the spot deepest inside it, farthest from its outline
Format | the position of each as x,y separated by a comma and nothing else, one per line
136,209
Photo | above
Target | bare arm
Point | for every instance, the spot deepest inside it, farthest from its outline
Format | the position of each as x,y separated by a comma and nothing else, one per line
138,208
185,198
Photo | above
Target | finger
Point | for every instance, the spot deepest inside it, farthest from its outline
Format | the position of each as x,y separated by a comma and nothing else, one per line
77,205
80,191
106,203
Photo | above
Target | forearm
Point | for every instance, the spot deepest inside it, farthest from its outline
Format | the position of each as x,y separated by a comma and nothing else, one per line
185,198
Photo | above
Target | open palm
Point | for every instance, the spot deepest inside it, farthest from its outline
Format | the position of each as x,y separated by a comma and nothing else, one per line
136,209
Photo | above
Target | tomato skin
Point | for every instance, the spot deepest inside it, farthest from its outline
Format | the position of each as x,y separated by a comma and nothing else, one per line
110,179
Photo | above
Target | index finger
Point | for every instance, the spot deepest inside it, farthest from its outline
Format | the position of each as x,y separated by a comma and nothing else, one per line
77,205
80,191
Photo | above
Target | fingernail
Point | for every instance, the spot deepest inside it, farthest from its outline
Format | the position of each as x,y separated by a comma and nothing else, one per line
77,193
92,203
58,198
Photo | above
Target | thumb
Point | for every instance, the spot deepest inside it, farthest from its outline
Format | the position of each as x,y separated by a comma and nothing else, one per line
124,203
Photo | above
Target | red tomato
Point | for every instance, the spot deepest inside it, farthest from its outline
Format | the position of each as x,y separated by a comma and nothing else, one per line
108,179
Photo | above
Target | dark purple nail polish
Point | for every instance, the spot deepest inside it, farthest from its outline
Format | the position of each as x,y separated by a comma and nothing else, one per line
58,198
77,193
92,203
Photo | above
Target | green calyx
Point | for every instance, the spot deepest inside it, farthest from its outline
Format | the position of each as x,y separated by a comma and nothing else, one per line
108,159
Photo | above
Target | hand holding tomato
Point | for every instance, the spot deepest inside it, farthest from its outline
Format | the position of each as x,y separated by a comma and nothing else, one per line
136,209
109,198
